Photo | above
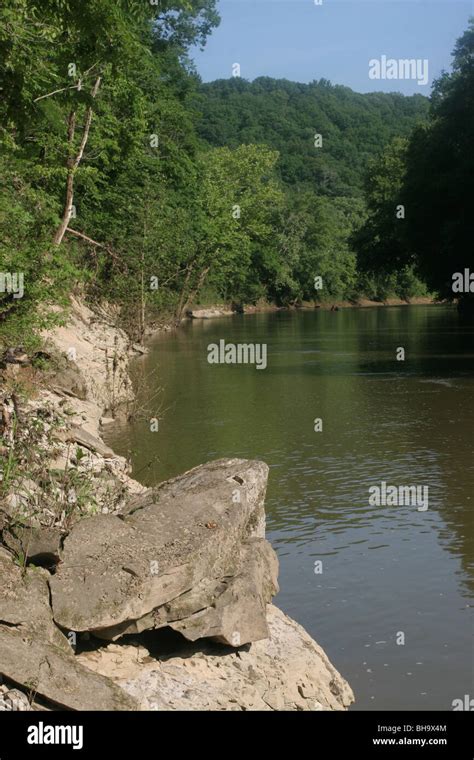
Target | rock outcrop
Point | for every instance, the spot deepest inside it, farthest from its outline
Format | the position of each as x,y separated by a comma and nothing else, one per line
210,313
286,671
98,356
190,554
67,472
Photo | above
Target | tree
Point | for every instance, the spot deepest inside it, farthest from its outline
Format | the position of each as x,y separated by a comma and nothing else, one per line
430,176
440,165
379,241
236,203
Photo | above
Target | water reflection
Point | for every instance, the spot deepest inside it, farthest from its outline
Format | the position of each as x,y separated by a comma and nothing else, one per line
386,570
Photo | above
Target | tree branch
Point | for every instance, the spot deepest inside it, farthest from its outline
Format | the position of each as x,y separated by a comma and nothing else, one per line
55,92
89,240
77,86
84,237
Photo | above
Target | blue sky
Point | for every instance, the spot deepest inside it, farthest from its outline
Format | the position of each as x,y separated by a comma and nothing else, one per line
301,41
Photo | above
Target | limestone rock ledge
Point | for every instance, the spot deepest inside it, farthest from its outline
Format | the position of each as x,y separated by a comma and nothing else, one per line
98,358
288,671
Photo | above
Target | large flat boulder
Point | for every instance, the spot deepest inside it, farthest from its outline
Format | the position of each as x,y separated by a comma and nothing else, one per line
121,574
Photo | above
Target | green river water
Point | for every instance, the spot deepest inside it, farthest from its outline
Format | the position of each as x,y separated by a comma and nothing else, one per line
389,573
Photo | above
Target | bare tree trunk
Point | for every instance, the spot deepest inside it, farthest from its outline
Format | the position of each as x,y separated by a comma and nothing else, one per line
142,262
73,162
199,284
71,128
183,297
142,303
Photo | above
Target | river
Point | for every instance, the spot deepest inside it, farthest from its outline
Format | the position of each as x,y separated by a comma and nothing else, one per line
386,590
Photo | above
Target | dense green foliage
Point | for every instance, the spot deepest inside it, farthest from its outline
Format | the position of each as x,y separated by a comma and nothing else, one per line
287,116
123,177
431,176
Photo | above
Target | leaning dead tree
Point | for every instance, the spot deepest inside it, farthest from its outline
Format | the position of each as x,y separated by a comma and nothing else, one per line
73,161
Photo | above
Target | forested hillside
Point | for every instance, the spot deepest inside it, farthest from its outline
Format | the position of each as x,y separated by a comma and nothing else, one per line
287,116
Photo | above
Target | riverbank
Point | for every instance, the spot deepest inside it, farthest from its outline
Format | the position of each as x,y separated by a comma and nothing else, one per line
63,488
211,311
220,310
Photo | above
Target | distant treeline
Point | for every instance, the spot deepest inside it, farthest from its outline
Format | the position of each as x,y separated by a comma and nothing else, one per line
123,177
